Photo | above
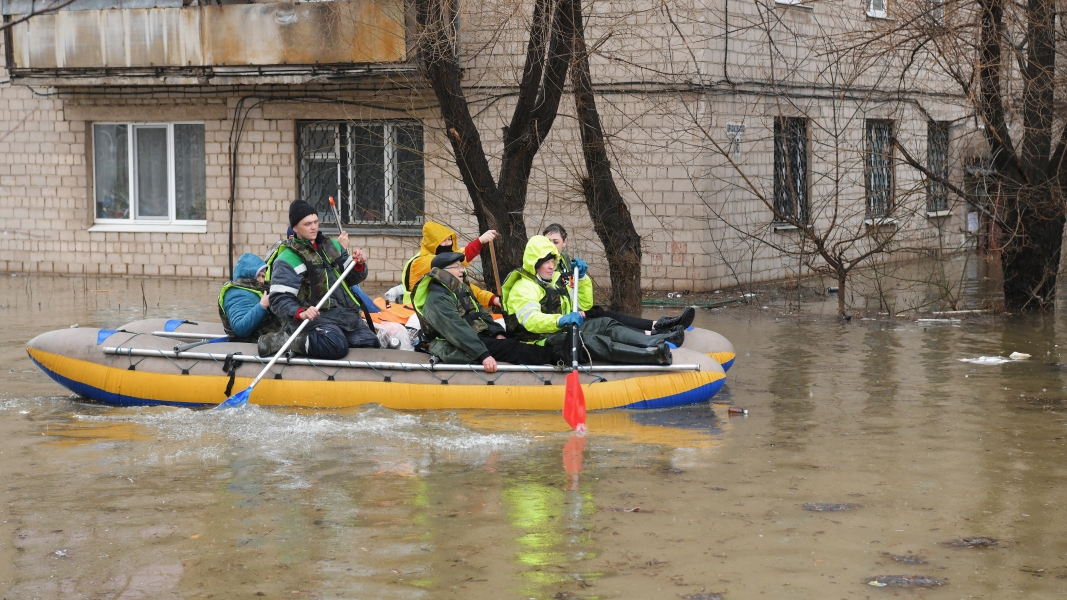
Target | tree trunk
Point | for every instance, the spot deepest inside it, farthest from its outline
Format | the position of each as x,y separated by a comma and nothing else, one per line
607,208
1030,255
500,205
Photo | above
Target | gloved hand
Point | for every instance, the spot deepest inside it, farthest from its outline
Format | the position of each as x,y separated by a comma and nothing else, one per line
580,266
569,319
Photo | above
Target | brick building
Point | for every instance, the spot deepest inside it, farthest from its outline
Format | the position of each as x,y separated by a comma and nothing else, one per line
125,126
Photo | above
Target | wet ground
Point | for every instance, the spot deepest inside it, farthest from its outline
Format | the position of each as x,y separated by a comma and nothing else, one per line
873,463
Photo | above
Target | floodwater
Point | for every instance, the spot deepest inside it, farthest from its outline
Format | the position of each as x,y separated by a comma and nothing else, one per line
880,418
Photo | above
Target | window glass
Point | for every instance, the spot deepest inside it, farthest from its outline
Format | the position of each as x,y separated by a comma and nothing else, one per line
368,172
150,148
879,168
190,180
410,176
112,174
937,162
791,169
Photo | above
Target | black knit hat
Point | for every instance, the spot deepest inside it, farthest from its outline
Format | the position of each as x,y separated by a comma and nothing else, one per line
299,210
447,259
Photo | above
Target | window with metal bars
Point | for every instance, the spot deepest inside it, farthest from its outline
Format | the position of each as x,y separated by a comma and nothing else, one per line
878,9
791,169
879,168
374,169
937,162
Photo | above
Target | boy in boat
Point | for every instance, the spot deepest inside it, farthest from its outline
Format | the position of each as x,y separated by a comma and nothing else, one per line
558,235
244,302
458,328
303,272
539,312
438,239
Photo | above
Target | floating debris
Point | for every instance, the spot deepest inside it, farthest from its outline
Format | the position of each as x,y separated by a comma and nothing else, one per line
627,510
973,542
702,596
826,507
986,360
1018,356
906,581
908,559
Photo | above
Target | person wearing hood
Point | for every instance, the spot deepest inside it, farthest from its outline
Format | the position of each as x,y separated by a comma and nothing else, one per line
244,302
438,239
558,235
538,311
458,329
302,273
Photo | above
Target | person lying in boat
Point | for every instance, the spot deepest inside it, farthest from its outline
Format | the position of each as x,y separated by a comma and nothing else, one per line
458,328
438,239
301,274
538,312
244,302
558,235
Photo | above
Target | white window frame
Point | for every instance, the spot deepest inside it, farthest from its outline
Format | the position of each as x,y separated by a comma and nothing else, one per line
168,224
876,13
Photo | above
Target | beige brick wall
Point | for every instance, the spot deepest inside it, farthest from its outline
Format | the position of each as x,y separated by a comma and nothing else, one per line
666,108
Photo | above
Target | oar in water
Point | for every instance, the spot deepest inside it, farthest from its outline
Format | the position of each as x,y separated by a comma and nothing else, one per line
241,398
574,397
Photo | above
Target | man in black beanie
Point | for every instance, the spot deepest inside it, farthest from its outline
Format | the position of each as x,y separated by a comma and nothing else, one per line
302,274
458,329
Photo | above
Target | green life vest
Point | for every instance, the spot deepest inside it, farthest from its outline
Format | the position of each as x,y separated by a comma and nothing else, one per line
315,282
551,304
470,307
267,325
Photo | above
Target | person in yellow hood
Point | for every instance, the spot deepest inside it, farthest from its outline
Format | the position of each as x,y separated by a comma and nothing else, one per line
538,312
439,239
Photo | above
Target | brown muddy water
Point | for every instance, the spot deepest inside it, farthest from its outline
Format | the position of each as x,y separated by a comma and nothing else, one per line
869,454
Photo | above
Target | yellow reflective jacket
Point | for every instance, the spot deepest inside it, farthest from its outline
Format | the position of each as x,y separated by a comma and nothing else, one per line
528,299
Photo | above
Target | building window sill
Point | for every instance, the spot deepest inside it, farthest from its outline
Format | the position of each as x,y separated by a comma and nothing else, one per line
801,4
937,214
149,227
881,222
784,227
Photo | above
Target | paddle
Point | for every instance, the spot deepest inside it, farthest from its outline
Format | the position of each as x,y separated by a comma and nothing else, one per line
496,272
241,398
574,397
336,216
359,295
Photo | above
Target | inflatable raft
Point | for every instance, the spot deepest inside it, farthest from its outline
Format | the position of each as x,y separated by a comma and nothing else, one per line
154,362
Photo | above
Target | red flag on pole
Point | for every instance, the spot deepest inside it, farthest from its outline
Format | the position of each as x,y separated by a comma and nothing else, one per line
574,403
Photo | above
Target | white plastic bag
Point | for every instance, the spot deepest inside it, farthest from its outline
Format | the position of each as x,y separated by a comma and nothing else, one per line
394,336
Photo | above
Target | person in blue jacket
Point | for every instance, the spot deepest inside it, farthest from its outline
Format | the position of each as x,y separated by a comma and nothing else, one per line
244,302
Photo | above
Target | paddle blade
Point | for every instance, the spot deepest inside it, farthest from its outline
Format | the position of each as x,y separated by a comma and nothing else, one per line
237,400
574,403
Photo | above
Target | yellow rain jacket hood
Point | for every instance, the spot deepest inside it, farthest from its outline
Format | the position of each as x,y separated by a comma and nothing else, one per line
432,236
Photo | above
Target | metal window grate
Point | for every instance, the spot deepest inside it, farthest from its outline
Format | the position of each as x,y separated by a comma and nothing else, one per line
791,169
374,169
879,169
937,162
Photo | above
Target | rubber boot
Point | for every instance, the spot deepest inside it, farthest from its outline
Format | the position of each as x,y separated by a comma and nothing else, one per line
634,355
682,321
676,337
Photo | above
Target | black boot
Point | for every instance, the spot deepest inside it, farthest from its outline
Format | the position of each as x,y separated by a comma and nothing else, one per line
635,355
682,321
663,352
676,337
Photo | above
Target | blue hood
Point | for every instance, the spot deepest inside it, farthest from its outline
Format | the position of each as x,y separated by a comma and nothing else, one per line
247,266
